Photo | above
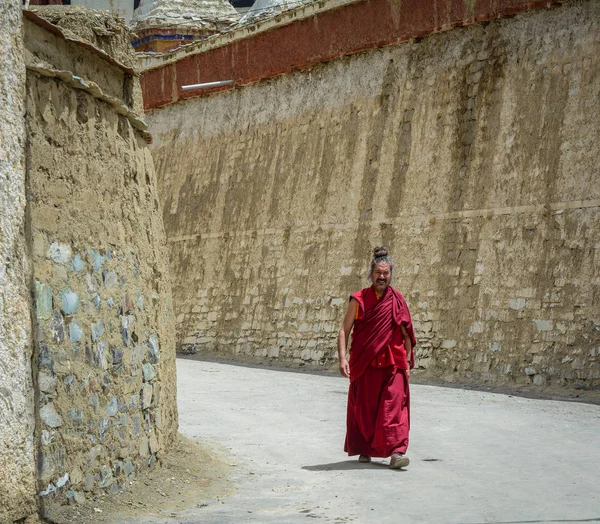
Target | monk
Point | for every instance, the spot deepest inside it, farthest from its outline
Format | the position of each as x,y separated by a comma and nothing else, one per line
381,357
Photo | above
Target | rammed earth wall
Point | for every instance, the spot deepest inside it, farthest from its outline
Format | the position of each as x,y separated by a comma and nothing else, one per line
104,337
17,421
471,153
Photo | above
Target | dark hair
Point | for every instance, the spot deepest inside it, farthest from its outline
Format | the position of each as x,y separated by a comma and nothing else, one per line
380,255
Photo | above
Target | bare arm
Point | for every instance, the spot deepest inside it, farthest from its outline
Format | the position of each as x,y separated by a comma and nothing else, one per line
407,347
344,336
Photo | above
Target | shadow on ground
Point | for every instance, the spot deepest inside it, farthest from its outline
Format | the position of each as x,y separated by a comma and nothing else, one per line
346,465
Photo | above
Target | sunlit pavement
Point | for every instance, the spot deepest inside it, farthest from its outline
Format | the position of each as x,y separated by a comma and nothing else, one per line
475,457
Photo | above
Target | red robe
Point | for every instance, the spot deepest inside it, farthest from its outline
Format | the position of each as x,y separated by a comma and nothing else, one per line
378,418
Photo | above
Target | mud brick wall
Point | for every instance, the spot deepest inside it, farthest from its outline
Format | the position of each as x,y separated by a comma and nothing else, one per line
17,422
471,153
105,359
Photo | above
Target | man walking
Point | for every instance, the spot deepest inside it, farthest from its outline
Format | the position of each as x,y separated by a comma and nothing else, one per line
381,357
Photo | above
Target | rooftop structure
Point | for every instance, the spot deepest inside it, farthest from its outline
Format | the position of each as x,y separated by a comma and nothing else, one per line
163,25
263,9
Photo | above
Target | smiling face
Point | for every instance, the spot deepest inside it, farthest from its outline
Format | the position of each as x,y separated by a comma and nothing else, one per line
381,277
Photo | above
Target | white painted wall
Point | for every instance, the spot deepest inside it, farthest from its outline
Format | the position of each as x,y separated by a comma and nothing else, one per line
123,8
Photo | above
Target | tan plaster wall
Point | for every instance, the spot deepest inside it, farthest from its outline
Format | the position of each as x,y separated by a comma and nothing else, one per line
105,353
472,154
17,462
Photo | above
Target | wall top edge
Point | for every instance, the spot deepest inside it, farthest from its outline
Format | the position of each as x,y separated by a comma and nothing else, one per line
149,61
31,16
318,33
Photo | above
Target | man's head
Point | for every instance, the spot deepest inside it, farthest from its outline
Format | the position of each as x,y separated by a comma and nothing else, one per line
381,271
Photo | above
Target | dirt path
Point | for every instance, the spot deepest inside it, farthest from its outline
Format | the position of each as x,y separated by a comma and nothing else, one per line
191,475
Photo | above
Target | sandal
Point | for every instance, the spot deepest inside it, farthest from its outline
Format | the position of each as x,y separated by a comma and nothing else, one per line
399,460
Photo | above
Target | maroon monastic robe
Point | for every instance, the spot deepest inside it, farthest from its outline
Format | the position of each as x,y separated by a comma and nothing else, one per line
378,418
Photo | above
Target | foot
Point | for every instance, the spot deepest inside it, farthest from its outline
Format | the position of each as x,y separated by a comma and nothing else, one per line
364,459
399,460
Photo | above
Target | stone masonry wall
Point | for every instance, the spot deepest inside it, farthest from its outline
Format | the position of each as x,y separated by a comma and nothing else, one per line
471,154
105,354
17,461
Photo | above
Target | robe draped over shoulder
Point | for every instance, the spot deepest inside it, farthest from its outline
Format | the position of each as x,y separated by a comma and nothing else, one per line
373,331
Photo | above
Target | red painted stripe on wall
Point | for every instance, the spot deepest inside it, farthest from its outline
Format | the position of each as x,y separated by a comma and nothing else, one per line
325,36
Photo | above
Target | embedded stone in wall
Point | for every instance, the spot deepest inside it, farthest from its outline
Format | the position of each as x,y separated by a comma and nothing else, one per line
69,302
43,300
59,253
50,416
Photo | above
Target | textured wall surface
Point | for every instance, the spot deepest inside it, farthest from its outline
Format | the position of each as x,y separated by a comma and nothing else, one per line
104,325
472,154
17,463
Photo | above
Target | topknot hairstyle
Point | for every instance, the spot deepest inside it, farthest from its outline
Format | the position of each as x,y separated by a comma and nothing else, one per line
381,255
380,252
